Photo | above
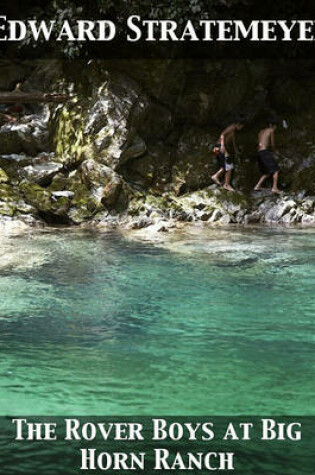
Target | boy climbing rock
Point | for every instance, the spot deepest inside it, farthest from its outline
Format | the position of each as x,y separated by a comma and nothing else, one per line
225,154
266,161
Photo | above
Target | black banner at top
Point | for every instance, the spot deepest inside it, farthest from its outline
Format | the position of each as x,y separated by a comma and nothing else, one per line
128,29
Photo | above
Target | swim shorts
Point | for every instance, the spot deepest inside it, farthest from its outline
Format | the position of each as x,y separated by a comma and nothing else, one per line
223,161
267,163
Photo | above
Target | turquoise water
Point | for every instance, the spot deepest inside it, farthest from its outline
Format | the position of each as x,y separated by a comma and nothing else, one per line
210,322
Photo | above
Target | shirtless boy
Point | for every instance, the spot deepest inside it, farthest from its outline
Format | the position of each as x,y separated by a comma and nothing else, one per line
223,150
266,161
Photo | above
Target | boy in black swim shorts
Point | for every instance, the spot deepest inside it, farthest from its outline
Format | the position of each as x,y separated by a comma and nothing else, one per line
267,164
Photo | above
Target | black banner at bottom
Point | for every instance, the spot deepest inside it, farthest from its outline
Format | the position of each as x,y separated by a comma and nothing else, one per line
148,445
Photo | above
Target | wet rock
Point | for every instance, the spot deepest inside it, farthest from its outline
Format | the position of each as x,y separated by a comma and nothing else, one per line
160,227
289,218
205,216
301,194
253,218
308,206
141,223
240,215
299,216
216,215
233,208
226,219
276,212
308,219
200,206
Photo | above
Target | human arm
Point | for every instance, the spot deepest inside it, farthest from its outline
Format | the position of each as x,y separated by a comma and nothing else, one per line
222,142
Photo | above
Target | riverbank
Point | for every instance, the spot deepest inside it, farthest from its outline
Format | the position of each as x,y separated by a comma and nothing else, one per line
124,154
209,207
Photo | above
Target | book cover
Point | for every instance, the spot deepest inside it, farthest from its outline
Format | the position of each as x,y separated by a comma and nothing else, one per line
157,215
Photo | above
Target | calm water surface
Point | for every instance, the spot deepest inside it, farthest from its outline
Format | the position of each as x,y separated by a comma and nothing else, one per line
213,322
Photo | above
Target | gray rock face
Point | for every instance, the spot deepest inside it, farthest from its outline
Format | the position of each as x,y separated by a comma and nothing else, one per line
105,184
308,205
308,219
41,173
30,136
276,212
134,150
113,121
194,159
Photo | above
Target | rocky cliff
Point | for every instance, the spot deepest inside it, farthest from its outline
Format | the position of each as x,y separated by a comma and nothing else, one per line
133,145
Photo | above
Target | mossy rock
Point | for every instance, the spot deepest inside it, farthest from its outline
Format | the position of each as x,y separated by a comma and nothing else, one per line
79,215
59,183
7,209
8,193
3,176
61,206
37,196
111,193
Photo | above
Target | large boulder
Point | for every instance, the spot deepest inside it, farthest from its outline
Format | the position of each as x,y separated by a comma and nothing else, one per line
279,210
42,170
44,202
118,110
99,185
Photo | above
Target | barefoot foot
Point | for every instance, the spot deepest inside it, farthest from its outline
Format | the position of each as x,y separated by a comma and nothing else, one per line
276,191
216,180
228,187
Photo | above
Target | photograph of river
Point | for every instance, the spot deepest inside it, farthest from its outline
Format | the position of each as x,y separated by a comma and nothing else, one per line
212,321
